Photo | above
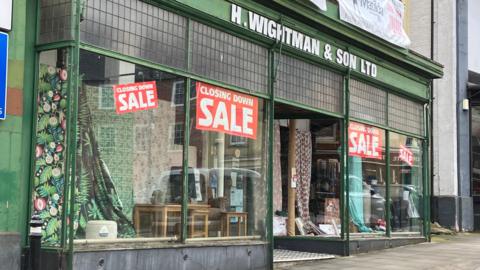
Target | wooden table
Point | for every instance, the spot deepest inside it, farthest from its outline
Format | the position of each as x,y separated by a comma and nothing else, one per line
225,222
164,211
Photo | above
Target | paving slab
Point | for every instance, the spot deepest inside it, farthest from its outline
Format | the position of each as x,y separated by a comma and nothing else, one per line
458,252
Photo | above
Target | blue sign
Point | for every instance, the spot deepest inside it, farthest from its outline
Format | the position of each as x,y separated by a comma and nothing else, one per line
3,74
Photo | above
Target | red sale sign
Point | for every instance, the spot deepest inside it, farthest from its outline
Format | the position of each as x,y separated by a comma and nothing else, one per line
364,141
406,155
135,97
226,111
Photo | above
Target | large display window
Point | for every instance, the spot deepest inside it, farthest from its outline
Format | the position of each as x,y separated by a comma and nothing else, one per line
306,173
129,150
406,184
227,164
51,144
367,179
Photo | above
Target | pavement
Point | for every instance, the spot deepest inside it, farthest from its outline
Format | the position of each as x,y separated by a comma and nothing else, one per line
456,252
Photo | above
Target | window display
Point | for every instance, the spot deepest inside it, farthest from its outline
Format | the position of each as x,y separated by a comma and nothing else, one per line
227,154
406,189
316,179
366,176
129,156
50,145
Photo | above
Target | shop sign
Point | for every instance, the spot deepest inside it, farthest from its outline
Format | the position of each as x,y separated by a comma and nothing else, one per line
3,74
364,141
406,155
226,111
300,41
6,15
383,18
135,97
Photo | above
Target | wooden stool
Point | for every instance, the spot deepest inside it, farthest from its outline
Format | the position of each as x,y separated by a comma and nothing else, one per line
199,214
225,222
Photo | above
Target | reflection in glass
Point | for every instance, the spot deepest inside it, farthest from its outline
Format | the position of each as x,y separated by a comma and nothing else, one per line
128,165
227,187
367,182
406,189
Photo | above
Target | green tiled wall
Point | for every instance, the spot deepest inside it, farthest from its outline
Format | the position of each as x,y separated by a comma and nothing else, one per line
14,131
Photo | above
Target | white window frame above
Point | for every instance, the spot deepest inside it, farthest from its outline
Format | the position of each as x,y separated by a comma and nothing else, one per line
174,92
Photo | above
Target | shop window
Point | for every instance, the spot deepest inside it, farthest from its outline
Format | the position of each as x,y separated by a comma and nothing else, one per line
130,27
227,58
227,183
308,84
306,161
367,179
368,102
55,21
405,115
50,144
406,189
125,178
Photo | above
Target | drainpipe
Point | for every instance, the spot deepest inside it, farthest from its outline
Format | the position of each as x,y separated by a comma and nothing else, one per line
431,137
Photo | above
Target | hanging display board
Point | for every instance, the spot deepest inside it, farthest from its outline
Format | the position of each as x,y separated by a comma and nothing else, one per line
3,74
135,97
364,141
221,110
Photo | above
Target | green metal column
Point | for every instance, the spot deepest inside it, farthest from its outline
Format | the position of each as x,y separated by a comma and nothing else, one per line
345,184
72,105
271,119
387,174
186,138
427,169
388,181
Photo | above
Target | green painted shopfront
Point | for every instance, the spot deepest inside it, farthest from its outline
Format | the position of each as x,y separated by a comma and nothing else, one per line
204,134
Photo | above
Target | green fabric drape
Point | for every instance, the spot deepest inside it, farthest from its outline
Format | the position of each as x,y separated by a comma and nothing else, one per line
96,197
355,201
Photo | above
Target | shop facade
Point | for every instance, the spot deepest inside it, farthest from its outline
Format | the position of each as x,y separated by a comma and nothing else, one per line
203,134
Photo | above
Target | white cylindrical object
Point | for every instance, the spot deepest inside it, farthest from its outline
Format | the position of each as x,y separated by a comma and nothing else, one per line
465,104
101,229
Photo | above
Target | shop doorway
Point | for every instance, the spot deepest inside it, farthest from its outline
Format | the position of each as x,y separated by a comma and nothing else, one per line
306,173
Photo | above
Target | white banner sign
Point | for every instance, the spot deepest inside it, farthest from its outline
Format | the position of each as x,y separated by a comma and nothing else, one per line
321,4
6,15
383,18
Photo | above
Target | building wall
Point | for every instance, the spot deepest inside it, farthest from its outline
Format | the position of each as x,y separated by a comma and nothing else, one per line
417,23
444,126
451,184
418,16
15,136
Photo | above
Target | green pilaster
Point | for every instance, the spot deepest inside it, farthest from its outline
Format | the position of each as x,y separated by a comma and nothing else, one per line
15,131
